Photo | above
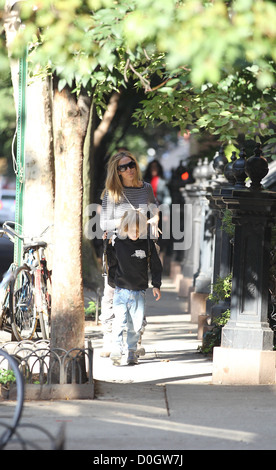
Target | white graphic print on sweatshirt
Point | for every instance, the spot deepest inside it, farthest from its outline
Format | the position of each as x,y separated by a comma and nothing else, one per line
139,254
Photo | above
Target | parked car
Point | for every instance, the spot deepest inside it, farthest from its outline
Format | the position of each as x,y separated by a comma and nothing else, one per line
7,205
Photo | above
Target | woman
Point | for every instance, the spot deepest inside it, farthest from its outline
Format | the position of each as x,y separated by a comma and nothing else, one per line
124,190
155,176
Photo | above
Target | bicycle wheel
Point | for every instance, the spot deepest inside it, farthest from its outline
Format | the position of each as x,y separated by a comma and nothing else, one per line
4,307
44,316
42,302
5,317
22,306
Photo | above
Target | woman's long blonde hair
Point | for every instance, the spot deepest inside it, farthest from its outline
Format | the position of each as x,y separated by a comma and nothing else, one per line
113,183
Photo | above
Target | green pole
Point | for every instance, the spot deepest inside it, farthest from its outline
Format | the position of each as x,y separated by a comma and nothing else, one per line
20,155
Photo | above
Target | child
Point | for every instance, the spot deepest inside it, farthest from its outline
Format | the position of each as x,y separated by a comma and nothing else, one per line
135,254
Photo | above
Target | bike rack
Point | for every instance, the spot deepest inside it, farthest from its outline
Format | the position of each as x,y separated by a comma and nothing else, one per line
54,373
11,434
36,361
47,365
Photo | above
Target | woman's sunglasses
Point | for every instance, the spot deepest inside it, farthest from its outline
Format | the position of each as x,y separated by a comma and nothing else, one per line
129,165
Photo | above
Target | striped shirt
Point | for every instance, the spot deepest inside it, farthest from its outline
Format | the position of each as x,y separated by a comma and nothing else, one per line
112,212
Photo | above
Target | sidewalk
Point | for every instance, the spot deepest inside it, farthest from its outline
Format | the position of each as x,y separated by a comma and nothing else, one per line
170,342
165,402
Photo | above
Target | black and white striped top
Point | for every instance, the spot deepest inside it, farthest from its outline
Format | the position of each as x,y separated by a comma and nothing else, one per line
112,212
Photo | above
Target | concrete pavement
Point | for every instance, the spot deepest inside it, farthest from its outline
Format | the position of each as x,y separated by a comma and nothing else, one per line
164,403
171,345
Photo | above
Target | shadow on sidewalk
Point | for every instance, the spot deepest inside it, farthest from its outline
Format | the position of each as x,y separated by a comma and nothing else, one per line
170,343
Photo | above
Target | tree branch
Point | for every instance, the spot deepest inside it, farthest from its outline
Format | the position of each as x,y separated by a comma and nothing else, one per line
107,118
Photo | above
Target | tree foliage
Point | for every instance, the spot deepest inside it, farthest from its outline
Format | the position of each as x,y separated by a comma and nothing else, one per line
232,107
220,64
209,37
204,64
85,48
7,113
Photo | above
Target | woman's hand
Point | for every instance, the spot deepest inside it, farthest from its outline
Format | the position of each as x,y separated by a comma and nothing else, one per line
153,221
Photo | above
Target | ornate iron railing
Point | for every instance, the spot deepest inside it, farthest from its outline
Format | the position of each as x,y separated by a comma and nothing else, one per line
36,363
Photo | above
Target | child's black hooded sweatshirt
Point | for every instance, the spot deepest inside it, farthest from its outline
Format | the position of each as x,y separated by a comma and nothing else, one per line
129,267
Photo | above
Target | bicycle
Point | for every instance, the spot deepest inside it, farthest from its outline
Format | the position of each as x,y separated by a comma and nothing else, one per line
26,300
5,316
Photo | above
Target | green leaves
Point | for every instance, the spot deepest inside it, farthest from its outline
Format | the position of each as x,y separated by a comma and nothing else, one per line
221,289
209,37
77,43
205,65
233,106
7,376
7,111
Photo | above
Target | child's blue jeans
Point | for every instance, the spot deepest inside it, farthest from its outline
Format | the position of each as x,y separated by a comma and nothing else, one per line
129,310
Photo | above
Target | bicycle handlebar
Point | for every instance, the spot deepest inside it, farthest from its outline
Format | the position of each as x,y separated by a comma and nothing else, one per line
11,232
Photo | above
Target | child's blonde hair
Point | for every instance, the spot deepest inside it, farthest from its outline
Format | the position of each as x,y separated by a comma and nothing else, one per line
132,220
113,182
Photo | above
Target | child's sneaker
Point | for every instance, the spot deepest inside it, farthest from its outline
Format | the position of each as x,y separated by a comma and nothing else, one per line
116,357
132,358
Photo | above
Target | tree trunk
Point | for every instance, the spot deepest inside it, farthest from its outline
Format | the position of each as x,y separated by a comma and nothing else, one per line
108,116
70,125
38,208
37,173
91,274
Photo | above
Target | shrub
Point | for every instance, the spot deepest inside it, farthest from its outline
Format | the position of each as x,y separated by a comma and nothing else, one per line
212,338
221,290
7,377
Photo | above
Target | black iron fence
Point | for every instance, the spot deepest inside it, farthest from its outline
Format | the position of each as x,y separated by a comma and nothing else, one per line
35,364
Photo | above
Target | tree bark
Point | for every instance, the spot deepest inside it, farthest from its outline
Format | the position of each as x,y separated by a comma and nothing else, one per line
38,209
38,170
108,116
70,125
91,273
